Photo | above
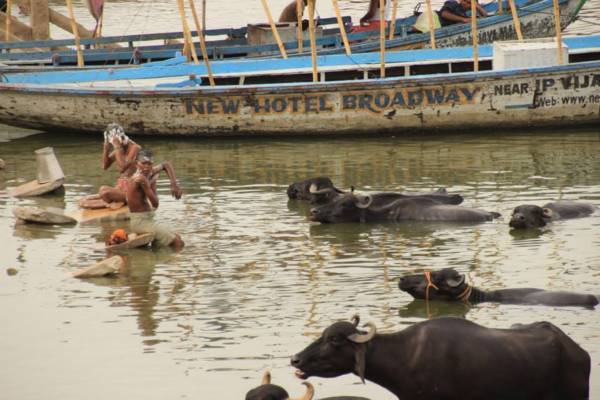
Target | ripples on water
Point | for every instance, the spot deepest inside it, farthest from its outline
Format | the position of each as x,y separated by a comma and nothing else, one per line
257,281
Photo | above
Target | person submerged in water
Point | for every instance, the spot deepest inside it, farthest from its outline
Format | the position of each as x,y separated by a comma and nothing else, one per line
143,200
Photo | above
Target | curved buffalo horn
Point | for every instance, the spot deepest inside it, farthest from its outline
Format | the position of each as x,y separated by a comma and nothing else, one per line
546,213
310,392
364,338
455,282
361,201
312,188
266,379
355,319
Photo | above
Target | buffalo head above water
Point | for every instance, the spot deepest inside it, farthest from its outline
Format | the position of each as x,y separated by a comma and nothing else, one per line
445,284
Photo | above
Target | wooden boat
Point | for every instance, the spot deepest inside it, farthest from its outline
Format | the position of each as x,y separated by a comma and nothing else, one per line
350,99
536,21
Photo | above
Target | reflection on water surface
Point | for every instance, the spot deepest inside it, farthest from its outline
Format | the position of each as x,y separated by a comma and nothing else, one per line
257,281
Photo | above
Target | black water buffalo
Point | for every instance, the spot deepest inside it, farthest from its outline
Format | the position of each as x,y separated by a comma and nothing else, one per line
448,284
321,190
351,207
452,358
316,190
531,216
269,391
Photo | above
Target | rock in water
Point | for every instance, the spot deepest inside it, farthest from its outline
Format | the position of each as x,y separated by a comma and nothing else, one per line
48,215
2,164
110,266
11,271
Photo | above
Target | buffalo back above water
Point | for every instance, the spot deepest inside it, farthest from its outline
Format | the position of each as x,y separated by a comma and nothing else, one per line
448,358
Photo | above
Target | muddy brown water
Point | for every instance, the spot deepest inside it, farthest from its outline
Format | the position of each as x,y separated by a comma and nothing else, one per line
257,282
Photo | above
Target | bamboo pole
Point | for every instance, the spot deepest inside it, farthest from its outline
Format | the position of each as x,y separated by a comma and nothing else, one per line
189,46
76,33
382,23
431,27
311,34
474,33
8,18
203,15
299,12
516,21
558,32
393,22
500,9
338,15
200,30
274,28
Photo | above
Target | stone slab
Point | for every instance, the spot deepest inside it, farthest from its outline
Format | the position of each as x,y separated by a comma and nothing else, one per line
100,215
39,215
139,241
34,188
109,266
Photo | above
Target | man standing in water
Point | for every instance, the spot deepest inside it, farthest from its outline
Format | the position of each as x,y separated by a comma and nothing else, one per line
142,199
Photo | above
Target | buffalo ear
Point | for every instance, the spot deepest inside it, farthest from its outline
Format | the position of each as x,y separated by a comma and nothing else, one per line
456,281
359,362
546,213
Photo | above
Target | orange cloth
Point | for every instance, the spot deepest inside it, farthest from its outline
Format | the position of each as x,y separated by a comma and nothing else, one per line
118,236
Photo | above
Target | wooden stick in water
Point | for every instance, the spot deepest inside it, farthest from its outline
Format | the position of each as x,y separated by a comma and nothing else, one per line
474,34
8,18
382,23
338,15
274,29
500,9
299,12
186,32
558,32
200,30
75,33
516,20
203,14
393,22
431,27
311,34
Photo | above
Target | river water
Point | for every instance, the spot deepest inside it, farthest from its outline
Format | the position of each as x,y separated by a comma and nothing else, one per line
257,282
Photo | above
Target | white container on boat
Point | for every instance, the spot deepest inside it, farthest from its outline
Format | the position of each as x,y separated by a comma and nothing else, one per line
527,54
48,168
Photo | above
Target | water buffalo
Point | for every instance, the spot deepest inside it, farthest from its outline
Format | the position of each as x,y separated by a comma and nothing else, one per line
529,216
450,358
448,284
320,190
316,190
268,391
352,207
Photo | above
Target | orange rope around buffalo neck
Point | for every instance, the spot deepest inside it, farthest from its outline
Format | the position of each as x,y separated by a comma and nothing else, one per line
464,296
429,285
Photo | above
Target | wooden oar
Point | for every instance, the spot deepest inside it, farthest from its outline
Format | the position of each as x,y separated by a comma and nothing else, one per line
75,33
382,23
338,15
393,22
311,34
516,21
274,29
558,33
8,17
299,12
431,27
200,30
186,32
474,33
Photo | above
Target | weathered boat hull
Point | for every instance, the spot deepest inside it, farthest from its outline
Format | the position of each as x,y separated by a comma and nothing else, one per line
537,21
563,95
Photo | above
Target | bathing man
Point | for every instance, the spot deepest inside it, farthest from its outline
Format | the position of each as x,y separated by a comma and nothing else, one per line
142,199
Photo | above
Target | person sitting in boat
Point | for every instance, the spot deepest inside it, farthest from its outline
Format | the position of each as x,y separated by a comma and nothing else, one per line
124,152
372,19
143,200
455,12
289,12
